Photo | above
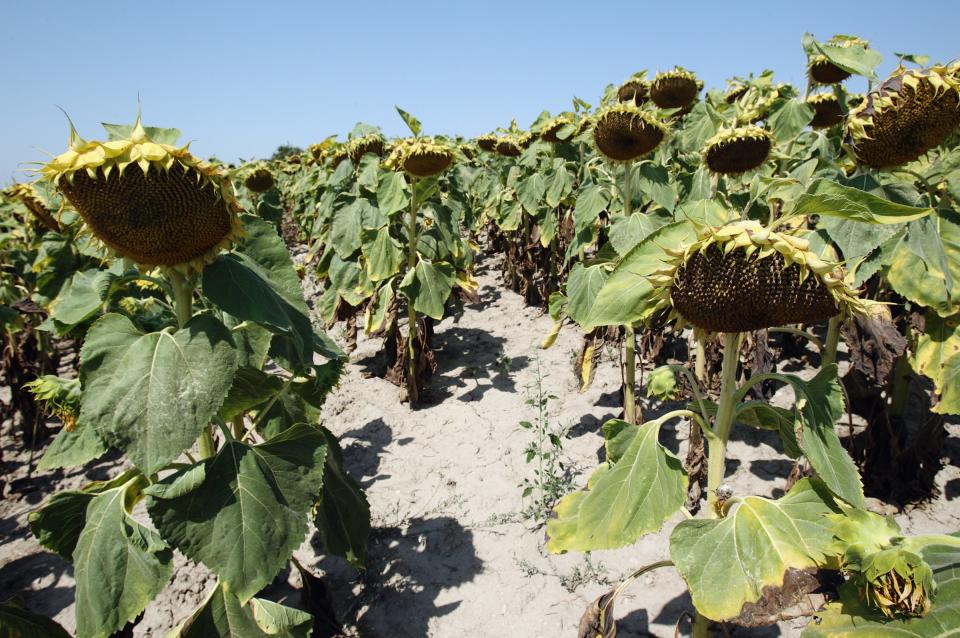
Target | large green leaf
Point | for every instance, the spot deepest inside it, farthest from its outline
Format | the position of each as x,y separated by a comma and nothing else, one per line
150,395
635,496
559,183
591,201
530,193
58,522
851,618
18,622
383,254
343,514
72,448
626,297
345,232
222,615
627,232
818,407
655,183
825,197
727,562
264,246
243,512
250,388
789,118
429,286
583,285
937,357
925,267
391,193
79,299
119,564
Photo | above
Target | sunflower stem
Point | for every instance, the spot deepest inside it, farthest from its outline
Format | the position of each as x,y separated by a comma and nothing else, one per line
629,402
829,353
207,446
182,296
628,189
412,389
724,421
700,360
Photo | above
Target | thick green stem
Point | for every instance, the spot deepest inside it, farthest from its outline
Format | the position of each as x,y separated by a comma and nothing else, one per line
628,189
716,458
207,447
629,402
412,389
724,421
182,296
902,379
239,429
829,353
700,360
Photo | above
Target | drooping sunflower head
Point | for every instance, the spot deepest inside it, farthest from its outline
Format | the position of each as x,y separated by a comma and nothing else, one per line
897,582
487,142
370,143
150,202
742,276
420,157
910,113
258,179
823,71
624,133
548,133
674,89
526,139
636,90
826,110
509,146
27,195
736,89
735,151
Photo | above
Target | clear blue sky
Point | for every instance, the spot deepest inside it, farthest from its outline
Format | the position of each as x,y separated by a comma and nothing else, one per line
239,78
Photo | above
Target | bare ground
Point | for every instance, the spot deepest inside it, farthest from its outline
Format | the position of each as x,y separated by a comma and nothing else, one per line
451,553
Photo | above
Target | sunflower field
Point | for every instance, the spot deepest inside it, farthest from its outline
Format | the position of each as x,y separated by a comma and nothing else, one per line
755,260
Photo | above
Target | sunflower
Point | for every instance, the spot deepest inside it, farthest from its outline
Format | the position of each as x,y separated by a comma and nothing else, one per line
742,276
738,150
623,133
487,142
360,146
826,109
509,146
548,133
153,203
27,195
823,71
634,90
259,179
420,157
910,113
674,89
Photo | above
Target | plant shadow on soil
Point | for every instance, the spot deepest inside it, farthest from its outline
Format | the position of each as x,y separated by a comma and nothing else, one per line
362,455
409,567
20,576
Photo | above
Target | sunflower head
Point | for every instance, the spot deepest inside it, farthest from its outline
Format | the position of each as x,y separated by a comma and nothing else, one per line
736,89
27,195
738,150
742,276
548,133
150,202
509,146
259,179
910,113
371,143
420,157
897,582
822,70
58,397
624,133
487,142
674,89
826,110
636,90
